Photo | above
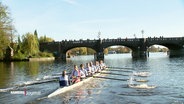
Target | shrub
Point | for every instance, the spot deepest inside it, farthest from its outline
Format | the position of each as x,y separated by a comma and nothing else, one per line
19,56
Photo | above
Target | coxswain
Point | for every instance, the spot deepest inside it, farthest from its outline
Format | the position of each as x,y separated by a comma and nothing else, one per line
63,79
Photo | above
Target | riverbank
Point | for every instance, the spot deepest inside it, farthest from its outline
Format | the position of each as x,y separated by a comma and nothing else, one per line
42,59
30,59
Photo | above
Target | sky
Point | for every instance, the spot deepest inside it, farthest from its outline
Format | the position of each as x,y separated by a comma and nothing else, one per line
83,19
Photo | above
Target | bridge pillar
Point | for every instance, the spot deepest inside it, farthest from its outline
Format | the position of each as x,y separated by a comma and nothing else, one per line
99,55
176,53
141,50
139,54
63,56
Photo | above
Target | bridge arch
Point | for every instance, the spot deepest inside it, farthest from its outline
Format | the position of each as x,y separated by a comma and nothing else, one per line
117,49
65,51
175,45
157,48
137,45
79,51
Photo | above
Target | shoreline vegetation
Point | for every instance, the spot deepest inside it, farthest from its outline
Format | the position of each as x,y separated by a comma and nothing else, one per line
31,59
42,59
19,48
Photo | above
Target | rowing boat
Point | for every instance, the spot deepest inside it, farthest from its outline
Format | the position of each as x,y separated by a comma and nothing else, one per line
68,88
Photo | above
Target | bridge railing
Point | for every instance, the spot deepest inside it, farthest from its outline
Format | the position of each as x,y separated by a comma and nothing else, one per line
78,41
121,40
165,39
81,41
103,40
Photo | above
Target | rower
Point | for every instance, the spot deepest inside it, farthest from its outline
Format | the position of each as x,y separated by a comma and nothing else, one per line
102,65
83,71
89,70
93,68
63,80
97,65
75,75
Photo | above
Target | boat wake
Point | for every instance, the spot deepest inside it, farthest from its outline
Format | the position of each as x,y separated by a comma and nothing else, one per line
142,74
141,86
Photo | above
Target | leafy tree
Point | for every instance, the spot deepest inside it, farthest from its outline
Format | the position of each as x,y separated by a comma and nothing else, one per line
82,51
45,39
36,34
19,44
6,29
106,51
90,51
30,44
18,52
120,49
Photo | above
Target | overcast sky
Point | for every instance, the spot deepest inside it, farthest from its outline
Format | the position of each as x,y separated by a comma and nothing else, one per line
83,19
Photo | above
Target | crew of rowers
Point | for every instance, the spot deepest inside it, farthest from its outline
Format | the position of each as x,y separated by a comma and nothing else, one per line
80,73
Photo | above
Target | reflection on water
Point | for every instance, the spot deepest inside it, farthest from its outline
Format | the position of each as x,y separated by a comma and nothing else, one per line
14,72
7,73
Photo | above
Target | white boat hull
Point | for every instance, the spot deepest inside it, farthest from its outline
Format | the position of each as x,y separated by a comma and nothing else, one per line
68,88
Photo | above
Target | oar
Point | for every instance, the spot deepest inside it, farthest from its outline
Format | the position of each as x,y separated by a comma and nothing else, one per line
110,78
113,73
68,73
8,89
35,82
121,70
27,84
120,67
140,80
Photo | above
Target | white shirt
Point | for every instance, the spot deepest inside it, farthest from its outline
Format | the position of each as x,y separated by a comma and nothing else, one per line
65,78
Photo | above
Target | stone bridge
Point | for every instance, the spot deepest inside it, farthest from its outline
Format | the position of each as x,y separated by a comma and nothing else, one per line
138,46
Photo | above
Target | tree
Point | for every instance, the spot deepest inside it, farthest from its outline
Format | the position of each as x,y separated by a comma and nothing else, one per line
90,51
45,39
82,51
6,29
36,34
106,51
19,45
30,44
152,49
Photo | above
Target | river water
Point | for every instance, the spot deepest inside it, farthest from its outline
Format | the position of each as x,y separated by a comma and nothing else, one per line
167,74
